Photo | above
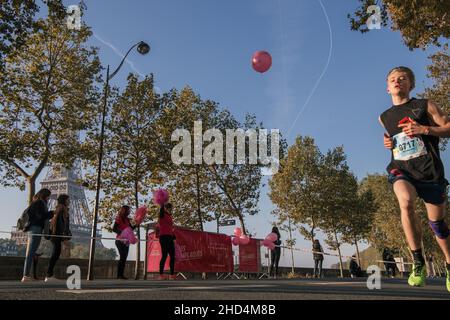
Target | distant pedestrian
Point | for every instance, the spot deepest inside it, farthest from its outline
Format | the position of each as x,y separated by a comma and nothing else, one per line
121,223
59,226
431,272
166,240
389,262
318,258
38,213
275,254
354,268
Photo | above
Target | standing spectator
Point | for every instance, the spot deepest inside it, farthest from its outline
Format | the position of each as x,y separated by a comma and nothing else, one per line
431,272
167,240
354,268
38,213
59,226
121,223
275,254
389,262
318,259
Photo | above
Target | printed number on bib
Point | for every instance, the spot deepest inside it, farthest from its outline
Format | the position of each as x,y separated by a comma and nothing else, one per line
406,148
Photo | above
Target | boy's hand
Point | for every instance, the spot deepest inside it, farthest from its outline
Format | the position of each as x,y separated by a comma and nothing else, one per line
412,128
388,142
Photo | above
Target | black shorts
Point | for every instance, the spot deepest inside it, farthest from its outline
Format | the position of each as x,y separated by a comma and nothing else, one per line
430,192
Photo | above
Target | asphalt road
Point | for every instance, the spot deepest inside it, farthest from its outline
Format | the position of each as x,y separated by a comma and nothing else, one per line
295,289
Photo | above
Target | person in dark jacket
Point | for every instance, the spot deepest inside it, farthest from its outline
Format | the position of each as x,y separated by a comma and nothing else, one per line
354,268
121,223
59,226
318,258
38,213
275,254
166,240
389,262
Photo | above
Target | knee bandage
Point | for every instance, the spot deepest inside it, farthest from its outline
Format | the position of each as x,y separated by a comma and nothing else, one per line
440,229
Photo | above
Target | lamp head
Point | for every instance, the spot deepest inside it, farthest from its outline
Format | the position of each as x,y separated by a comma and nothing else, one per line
143,48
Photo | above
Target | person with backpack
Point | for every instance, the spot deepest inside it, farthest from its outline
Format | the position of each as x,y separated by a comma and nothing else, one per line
318,258
59,226
167,240
121,223
37,213
354,268
275,254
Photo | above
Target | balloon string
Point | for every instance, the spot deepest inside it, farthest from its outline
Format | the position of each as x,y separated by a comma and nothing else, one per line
321,75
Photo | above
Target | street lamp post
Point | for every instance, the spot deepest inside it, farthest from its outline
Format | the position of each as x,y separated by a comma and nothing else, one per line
142,48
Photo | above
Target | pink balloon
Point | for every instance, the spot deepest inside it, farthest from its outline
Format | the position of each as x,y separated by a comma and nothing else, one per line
140,214
160,197
237,232
262,61
244,239
236,241
271,246
272,237
267,242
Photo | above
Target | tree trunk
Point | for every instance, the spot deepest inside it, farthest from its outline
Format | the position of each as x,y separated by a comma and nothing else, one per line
340,255
241,219
31,186
199,211
138,243
292,249
357,253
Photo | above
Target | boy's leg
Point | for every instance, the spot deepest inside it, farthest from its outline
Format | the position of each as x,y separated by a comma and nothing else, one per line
437,213
406,195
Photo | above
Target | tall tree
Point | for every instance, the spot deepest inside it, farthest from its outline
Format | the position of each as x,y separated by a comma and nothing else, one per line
337,194
51,78
239,184
439,73
190,186
286,224
420,22
295,189
358,222
132,150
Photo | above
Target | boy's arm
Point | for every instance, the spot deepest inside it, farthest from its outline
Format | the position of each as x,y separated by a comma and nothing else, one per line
437,116
381,122
440,118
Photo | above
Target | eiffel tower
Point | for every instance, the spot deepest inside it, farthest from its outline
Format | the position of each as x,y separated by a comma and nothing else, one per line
60,180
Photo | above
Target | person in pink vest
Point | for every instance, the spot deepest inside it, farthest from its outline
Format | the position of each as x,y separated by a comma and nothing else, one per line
121,223
166,240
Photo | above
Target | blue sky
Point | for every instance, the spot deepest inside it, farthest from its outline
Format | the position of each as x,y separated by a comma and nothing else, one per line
208,45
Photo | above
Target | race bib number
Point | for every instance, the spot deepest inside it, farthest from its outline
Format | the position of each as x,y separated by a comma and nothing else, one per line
406,148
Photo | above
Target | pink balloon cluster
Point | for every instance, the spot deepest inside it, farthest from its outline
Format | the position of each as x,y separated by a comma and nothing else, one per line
240,238
160,197
269,240
140,214
128,235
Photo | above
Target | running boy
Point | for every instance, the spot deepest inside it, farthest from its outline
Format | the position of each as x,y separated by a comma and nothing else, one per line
416,170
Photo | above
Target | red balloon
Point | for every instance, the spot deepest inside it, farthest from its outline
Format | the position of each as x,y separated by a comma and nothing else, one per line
262,61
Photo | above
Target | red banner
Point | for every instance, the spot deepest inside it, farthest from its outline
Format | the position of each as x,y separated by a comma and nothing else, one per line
250,256
200,251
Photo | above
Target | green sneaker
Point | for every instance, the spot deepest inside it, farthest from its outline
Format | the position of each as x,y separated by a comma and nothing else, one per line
417,276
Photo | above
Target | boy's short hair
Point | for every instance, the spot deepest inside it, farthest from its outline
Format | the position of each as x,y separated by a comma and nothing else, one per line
406,70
